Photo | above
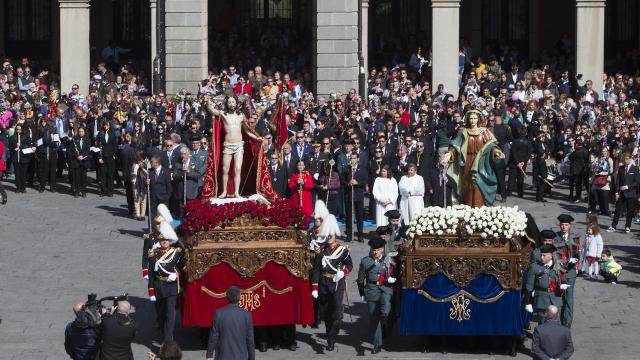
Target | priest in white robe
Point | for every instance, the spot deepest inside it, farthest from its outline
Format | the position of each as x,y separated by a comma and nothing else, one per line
411,189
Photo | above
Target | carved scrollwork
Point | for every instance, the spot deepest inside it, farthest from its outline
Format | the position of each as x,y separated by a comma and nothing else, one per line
460,270
459,242
247,261
237,234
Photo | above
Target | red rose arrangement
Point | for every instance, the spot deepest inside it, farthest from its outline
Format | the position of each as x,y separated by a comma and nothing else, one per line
202,216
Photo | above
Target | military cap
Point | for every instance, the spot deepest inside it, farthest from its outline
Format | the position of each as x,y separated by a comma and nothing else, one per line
565,218
547,234
547,248
382,230
377,242
392,214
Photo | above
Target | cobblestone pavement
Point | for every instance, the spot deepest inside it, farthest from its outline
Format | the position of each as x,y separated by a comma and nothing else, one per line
56,249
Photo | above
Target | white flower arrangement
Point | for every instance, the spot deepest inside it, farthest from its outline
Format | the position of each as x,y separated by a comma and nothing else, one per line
487,222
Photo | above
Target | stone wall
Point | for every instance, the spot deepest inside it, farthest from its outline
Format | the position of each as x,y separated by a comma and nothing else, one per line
336,46
186,44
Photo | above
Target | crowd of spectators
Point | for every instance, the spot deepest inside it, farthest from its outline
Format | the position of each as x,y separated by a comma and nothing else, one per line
403,119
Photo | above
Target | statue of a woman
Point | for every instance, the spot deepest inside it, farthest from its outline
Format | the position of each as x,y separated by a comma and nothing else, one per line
471,160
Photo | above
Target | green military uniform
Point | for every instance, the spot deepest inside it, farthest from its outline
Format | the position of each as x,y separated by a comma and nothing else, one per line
545,282
567,249
374,284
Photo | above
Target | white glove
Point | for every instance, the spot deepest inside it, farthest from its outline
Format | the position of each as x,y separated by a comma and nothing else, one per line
172,277
391,280
528,308
564,286
362,298
146,277
339,275
573,260
152,298
316,176
314,293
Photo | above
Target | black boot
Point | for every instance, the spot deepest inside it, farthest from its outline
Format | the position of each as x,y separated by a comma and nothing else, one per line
4,198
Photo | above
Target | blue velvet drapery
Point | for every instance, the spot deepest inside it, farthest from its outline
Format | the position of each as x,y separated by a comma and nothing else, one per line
491,310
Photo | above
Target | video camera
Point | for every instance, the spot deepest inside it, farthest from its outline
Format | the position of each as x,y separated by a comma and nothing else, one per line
91,313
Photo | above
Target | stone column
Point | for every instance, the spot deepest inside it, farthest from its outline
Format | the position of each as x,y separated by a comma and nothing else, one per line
153,5
446,44
74,45
590,41
336,46
364,32
187,44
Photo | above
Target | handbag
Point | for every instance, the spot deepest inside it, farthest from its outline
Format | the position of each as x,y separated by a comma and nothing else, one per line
600,180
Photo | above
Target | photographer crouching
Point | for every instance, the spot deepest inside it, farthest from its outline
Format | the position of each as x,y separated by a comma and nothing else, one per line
80,337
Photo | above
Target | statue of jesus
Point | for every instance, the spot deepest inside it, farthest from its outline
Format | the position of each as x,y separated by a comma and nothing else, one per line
233,122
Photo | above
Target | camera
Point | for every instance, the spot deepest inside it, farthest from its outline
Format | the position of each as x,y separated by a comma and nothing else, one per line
91,313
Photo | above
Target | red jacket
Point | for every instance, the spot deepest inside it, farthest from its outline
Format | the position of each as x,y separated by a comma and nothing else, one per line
3,167
246,89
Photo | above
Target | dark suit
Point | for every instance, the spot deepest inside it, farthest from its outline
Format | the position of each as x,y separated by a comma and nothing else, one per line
361,176
512,80
520,152
278,179
552,340
579,168
305,150
231,335
289,169
161,188
541,152
127,158
436,188
107,147
117,332
20,160
626,198
192,181
78,168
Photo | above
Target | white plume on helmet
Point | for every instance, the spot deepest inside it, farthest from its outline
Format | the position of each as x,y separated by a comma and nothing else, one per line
167,232
320,210
165,213
329,226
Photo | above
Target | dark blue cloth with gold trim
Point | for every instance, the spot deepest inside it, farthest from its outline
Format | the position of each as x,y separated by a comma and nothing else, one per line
482,308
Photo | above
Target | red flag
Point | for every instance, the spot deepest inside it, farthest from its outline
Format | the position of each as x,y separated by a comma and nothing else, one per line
279,121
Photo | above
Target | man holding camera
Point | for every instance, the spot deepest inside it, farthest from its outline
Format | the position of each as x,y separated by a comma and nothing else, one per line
80,338
117,332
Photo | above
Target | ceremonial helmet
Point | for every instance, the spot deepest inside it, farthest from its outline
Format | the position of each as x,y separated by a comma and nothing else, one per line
320,211
329,226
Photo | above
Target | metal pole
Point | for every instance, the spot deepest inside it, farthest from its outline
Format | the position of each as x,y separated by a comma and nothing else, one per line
184,185
149,196
331,163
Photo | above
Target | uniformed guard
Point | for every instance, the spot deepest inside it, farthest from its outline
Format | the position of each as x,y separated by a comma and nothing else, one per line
545,283
316,243
150,243
391,231
546,237
330,268
568,253
164,264
374,285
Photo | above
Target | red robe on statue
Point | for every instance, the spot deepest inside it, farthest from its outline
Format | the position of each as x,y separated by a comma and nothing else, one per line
255,172
307,207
